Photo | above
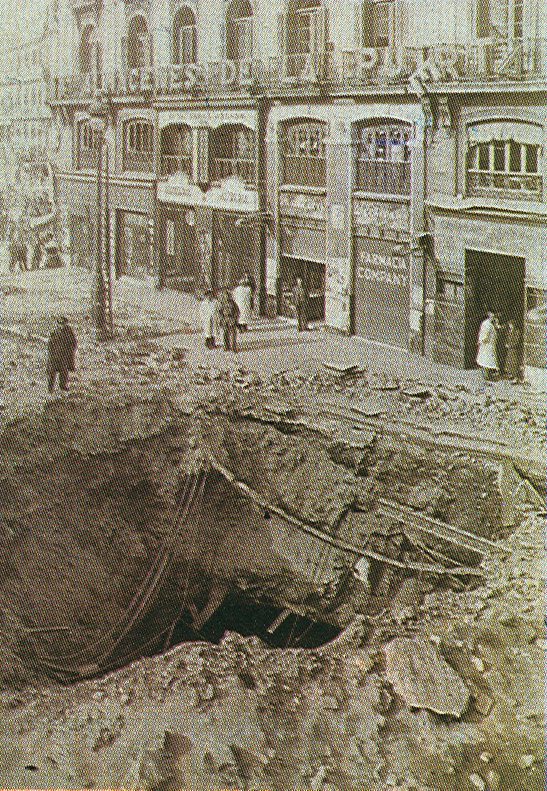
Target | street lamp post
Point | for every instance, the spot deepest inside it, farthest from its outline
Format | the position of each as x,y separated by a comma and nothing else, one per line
102,297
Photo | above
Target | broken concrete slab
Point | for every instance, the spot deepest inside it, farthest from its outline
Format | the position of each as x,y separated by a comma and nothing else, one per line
424,680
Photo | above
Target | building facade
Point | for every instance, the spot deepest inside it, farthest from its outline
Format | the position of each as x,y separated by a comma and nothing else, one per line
389,153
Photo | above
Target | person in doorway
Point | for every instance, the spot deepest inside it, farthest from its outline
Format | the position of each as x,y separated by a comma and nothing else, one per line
208,315
61,354
299,301
512,368
228,313
487,357
243,297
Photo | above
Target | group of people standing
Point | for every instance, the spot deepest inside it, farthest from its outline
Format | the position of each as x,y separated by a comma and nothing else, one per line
227,315
498,349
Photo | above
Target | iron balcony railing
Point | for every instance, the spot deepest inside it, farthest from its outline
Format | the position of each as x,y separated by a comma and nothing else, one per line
88,158
224,167
175,163
489,60
512,186
138,161
306,171
383,177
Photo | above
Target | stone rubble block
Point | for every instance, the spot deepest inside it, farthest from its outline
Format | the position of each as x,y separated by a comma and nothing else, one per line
424,680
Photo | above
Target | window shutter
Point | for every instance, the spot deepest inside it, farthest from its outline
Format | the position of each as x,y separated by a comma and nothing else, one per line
202,175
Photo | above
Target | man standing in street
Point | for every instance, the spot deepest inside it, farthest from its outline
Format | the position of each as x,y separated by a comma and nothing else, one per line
487,357
61,352
228,314
299,300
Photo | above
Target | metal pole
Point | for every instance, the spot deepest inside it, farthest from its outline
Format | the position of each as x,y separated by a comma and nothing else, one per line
100,316
107,242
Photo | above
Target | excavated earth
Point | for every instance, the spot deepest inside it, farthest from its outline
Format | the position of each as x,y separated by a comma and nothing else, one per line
261,657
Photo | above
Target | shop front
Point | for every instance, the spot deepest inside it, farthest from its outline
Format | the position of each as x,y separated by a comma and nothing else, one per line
382,272
303,253
78,208
208,240
236,250
489,264
134,245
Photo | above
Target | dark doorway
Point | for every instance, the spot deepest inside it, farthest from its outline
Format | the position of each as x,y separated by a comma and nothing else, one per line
492,282
133,245
312,274
179,260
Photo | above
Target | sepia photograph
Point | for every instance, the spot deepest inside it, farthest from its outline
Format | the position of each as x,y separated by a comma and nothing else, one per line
273,395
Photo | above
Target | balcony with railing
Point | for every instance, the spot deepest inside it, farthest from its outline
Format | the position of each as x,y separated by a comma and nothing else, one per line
508,186
391,178
138,161
175,163
88,159
228,167
307,171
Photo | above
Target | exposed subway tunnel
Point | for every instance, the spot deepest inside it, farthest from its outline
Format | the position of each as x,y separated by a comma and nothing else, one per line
130,526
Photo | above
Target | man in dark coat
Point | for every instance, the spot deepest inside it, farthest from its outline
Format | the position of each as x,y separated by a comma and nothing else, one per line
299,300
61,352
228,315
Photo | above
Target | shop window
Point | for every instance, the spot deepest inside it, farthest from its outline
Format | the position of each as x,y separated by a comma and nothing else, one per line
384,158
176,150
89,145
504,167
239,30
233,154
137,44
378,23
184,36
138,149
303,153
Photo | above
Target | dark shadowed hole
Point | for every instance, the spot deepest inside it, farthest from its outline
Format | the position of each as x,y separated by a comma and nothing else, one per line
249,618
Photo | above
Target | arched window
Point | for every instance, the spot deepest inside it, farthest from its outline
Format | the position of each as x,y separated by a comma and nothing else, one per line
384,154
184,36
88,145
304,37
139,49
239,30
378,23
303,153
233,153
176,150
504,159
138,145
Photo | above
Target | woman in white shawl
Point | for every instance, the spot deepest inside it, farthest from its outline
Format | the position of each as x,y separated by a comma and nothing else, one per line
243,297
208,318
487,357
